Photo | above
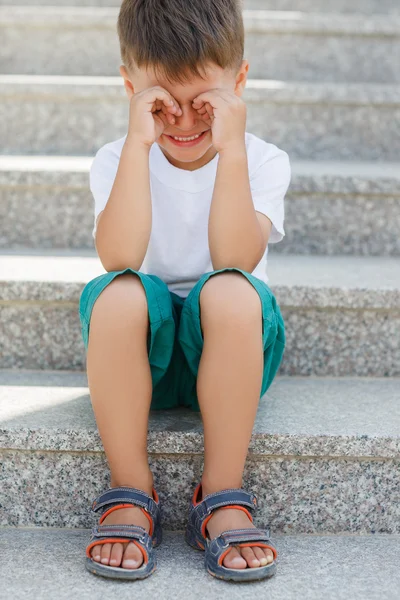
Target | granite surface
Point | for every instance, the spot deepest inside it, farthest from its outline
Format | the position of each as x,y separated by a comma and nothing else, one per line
315,47
341,314
321,121
308,495
298,416
306,568
330,208
330,446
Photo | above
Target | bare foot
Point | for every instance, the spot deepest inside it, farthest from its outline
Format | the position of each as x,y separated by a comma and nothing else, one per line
238,557
119,554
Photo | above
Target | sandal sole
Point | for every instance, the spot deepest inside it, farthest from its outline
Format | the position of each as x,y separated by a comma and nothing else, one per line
244,575
119,572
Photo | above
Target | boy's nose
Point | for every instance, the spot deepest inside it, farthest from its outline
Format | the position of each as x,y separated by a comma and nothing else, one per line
187,120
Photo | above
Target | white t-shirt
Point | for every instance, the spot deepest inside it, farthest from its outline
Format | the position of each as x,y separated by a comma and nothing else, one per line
178,250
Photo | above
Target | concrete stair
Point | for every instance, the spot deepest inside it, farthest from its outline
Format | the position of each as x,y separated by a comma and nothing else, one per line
331,207
343,6
279,45
342,313
313,567
324,458
318,121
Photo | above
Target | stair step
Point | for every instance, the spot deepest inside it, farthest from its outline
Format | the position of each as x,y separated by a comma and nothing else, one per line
311,121
279,45
330,445
304,569
330,208
341,312
355,6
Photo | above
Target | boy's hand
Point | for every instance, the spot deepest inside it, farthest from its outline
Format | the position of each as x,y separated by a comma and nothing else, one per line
226,114
150,111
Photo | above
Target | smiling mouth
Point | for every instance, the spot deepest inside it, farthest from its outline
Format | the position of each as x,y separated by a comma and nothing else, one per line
186,138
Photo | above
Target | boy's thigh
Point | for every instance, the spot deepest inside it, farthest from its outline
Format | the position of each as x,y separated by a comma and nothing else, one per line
191,340
161,335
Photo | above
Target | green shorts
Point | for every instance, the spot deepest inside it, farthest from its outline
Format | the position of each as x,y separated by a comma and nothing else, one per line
175,339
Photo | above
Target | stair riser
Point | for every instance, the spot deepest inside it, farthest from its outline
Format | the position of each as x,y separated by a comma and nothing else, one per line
319,222
33,122
307,495
332,341
278,54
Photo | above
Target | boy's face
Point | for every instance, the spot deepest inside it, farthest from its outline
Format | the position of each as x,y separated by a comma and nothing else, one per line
190,123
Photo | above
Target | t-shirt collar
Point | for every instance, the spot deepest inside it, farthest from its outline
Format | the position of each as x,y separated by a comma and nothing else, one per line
192,181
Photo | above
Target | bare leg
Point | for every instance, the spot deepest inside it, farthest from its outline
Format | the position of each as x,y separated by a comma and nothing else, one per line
120,386
228,388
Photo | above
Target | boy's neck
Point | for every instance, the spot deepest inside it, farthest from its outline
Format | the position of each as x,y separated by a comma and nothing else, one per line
193,165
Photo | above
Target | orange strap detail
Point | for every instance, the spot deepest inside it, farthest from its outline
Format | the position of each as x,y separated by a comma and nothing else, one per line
110,510
203,527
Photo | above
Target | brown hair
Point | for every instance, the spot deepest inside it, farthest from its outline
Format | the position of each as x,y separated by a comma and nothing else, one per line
177,38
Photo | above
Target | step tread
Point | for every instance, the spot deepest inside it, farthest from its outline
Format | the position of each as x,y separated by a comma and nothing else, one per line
260,20
366,170
289,270
257,90
309,416
307,566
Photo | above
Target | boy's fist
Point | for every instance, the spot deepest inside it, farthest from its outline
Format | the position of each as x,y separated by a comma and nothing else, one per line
226,114
150,111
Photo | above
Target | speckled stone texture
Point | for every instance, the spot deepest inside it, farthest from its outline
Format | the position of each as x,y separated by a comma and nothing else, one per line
308,120
306,568
330,208
342,315
324,455
296,496
319,47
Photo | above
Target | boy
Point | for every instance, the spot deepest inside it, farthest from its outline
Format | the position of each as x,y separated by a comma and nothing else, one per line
185,204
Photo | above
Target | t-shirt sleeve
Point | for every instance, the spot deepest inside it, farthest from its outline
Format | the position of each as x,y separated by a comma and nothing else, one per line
269,184
101,179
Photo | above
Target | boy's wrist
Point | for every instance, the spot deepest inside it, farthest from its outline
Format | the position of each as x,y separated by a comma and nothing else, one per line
233,152
135,145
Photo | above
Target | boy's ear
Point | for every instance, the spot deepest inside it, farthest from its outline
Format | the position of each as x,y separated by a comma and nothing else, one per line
127,82
241,78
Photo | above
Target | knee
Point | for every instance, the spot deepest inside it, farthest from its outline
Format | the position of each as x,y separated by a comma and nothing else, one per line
229,296
123,297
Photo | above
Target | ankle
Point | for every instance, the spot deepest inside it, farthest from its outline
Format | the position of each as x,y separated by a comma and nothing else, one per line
144,483
211,487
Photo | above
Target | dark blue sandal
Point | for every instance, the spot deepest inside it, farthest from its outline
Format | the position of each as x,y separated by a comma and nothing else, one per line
200,512
124,497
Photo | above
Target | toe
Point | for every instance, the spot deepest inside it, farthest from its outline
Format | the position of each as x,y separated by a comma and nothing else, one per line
133,557
250,557
116,554
260,553
105,553
96,554
233,560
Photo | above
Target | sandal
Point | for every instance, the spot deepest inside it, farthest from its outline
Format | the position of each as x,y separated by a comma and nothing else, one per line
123,497
200,513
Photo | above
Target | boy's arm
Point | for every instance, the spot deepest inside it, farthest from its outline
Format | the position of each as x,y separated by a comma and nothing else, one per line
235,233
124,229
123,232
238,228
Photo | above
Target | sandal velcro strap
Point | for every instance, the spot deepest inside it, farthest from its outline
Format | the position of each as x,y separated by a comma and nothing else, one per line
234,536
227,497
129,531
121,495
